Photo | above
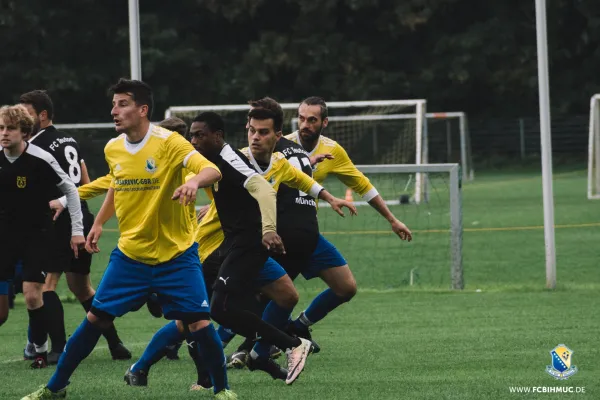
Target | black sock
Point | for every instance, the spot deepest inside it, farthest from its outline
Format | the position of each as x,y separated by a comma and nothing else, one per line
230,310
55,323
246,345
37,324
110,333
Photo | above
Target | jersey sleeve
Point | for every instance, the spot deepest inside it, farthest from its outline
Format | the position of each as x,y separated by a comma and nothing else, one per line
93,189
55,174
296,179
346,171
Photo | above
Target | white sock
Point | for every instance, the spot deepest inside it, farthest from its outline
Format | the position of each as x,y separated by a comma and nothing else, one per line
254,355
41,349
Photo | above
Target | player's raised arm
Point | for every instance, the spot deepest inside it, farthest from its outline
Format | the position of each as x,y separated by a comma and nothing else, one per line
86,192
297,179
347,172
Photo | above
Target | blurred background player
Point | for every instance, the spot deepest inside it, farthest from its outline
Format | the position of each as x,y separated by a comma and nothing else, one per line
332,267
29,178
65,149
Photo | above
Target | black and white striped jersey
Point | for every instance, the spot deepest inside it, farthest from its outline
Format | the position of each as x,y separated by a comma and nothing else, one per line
295,210
238,210
27,184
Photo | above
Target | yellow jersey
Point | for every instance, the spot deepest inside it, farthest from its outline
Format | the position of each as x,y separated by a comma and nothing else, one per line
209,234
154,229
281,171
341,166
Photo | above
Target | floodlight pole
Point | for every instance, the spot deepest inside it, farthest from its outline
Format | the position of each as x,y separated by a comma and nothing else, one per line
135,54
546,141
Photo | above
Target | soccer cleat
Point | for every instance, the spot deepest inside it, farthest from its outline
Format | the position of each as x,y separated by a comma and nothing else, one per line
226,394
238,360
302,331
139,378
53,357
120,352
41,361
202,384
43,393
29,352
296,360
154,306
268,365
275,352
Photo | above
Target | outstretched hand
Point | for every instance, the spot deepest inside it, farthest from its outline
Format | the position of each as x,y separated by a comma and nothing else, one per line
337,205
402,230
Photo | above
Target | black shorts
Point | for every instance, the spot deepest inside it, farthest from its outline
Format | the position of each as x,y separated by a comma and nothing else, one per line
31,248
210,268
62,258
299,247
241,259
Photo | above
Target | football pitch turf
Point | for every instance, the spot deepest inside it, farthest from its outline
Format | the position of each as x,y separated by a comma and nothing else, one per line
396,341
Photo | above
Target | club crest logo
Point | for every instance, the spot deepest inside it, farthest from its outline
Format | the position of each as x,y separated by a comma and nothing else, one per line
151,165
562,358
21,182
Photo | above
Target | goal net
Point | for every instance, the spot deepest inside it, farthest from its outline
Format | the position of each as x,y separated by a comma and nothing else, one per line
447,139
378,258
366,129
593,188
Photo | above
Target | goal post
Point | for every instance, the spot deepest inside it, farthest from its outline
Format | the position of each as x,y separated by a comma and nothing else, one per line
466,162
403,141
367,242
593,186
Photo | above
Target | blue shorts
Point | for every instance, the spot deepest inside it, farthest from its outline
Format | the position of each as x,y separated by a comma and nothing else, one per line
4,287
269,273
179,284
324,257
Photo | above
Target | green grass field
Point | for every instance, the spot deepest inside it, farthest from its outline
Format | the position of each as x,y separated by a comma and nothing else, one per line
396,341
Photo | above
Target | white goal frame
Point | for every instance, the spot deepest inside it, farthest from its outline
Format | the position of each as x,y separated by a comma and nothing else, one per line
466,163
456,226
593,187
420,131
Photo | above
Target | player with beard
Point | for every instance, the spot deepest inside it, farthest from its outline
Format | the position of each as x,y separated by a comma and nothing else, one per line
332,267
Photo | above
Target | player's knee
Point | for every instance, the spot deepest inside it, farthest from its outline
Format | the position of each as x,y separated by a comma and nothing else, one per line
33,299
288,299
347,290
101,321
198,325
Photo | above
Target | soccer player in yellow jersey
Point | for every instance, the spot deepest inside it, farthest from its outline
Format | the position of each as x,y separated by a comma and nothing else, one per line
328,263
156,251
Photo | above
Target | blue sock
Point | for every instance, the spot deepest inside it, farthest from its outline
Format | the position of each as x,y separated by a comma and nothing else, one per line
325,302
79,346
168,335
225,334
211,352
276,316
